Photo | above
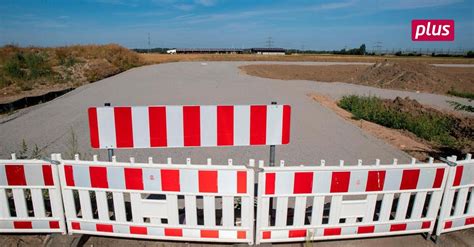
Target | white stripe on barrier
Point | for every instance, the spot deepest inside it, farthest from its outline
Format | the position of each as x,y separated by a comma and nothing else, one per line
141,127
106,125
174,126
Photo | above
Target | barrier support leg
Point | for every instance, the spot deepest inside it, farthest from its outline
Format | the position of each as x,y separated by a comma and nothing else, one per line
110,151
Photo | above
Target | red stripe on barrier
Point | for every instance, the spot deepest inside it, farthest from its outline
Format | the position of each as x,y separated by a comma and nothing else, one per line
22,225
285,137
267,235
98,176
458,176
209,234
258,124
138,230
375,181
410,179
170,180
76,225
365,229
133,178
123,127
15,174
332,231
69,173
207,181
241,234
425,225
398,227
438,178
104,228
93,127
469,221
192,125
303,182
157,123
340,182
225,125
448,224
173,232
241,182
297,233
270,183
47,175
54,224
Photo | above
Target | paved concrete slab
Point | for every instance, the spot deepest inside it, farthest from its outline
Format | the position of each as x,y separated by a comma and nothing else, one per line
317,133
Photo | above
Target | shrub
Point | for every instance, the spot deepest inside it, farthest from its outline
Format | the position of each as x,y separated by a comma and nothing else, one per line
13,69
467,95
426,125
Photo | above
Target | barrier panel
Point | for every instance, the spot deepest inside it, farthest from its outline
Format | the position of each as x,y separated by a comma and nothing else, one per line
189,126
30,197
457,208
335,202
159,201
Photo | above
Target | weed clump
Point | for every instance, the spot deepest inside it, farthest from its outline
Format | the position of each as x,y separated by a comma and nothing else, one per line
429,124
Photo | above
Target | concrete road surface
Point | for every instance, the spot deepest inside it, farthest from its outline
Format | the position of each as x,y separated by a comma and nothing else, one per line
316,132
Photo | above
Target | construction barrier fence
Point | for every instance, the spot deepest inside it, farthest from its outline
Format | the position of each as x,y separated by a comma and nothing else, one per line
30,197
216,203
159,201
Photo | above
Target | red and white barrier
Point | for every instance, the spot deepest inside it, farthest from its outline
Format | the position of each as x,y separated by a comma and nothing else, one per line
159,201
189,126
333,202
457,208
30,197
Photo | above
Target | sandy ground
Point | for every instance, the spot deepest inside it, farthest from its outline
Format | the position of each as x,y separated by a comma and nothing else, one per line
464,238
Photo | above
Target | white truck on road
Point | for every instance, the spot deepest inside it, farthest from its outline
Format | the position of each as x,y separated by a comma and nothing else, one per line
172,51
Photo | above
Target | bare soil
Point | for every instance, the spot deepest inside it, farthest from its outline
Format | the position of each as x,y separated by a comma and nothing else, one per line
412,76
153,58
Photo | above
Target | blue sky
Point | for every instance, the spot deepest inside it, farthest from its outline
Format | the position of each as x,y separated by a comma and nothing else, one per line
225,23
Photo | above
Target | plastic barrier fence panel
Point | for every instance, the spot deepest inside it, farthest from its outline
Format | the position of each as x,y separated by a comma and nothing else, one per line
189,126
457,208
159,201
334,202
30,197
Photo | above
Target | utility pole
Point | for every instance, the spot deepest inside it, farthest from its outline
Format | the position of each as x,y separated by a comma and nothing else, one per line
378,46
269,42
149,43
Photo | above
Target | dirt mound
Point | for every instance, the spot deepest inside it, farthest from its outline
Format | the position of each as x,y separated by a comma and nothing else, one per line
411,76
404,75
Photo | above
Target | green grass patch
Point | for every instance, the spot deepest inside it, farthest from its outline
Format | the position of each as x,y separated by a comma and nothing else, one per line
466,95
427,125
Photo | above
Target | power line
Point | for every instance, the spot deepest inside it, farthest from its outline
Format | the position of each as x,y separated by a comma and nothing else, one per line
269,42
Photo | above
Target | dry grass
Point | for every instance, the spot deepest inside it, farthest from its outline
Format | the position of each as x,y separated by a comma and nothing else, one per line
166,58
35,70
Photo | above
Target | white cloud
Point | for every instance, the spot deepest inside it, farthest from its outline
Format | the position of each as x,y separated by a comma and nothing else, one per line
206,3
411,4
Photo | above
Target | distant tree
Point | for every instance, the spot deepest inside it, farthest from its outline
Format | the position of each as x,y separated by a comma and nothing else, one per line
362,49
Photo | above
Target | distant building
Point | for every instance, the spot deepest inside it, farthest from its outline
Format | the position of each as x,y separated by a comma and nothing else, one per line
210,50
268,51
262,51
